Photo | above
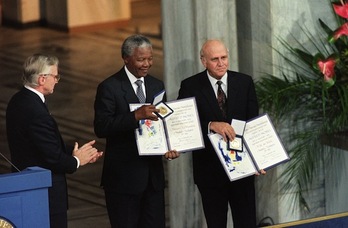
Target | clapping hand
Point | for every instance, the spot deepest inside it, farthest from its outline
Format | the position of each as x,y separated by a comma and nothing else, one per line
87,153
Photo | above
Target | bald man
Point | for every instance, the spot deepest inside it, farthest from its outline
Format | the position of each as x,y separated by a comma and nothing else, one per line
217,191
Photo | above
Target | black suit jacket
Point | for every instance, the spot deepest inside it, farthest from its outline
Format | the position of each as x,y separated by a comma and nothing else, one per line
124,171
34,140
241,104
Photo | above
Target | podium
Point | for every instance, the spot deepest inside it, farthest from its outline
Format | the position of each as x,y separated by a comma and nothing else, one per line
24,198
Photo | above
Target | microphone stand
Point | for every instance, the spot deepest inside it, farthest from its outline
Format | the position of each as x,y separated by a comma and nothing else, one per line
9,162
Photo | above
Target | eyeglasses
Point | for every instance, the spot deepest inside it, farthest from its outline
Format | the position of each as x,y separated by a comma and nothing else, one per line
57,77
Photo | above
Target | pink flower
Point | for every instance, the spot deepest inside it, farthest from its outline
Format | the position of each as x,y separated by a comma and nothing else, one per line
341,10
343,30
327,68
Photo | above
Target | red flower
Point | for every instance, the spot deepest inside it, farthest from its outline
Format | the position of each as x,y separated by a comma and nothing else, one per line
343,30
327,68
341,10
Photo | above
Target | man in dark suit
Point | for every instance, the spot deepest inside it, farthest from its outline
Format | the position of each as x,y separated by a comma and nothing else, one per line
239,103
133,184
34,138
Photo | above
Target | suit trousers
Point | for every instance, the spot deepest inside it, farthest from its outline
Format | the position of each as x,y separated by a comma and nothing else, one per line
240,195
143,210
59,220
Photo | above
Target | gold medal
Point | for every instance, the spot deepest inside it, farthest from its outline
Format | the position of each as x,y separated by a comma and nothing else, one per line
4,223
235,144
163,110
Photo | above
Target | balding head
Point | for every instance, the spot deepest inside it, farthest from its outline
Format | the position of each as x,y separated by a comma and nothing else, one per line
214,57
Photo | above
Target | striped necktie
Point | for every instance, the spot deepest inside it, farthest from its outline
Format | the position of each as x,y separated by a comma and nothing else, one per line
140,92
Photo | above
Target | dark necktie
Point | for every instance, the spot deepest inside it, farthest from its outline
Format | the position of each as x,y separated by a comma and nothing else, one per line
45,104
221,99
140,92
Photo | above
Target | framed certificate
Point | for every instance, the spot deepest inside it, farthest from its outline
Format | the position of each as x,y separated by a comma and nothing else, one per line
181,130
260,142
183,126
237,164
150,135
263,143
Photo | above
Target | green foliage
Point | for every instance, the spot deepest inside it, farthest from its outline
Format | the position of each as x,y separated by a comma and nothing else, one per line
304,102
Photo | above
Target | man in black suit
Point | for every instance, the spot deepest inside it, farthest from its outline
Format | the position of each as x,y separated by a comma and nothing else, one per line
34,138
133,184
240,103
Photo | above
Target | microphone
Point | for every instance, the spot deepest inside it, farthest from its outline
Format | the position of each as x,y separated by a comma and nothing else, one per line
9,162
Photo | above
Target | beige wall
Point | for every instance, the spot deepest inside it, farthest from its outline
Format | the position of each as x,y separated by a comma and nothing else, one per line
21,11
87,14
70,15
96,11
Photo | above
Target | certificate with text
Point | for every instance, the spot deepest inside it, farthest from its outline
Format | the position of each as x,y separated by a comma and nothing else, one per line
263,143
262,148
180,131
183,127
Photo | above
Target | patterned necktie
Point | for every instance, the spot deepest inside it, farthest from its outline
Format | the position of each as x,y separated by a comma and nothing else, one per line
140,92
221,99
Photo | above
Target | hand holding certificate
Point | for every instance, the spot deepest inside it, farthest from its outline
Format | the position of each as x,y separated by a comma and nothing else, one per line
237,164
262,148
179,128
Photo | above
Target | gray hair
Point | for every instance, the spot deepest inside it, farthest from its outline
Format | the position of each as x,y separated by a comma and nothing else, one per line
132,42
35,65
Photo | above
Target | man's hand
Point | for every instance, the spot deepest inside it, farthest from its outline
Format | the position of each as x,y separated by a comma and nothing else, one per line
172,154
224,129
146,112
262,171
87,153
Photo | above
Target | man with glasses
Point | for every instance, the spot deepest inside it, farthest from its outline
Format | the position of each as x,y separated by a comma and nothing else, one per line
34,138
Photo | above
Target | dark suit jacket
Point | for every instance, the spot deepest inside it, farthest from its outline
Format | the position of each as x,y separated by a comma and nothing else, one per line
124,171
34,140
241,104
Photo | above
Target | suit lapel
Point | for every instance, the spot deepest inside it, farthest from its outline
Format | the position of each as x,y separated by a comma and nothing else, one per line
150,90
210,96
44,106
232,93
35,98
126,87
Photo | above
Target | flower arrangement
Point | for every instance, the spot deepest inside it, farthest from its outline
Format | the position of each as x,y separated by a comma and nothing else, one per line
311,96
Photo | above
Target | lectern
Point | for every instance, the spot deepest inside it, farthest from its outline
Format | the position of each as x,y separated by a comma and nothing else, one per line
24,198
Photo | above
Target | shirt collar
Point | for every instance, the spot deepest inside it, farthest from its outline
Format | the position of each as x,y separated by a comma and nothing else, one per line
131,77
214,80
42,97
